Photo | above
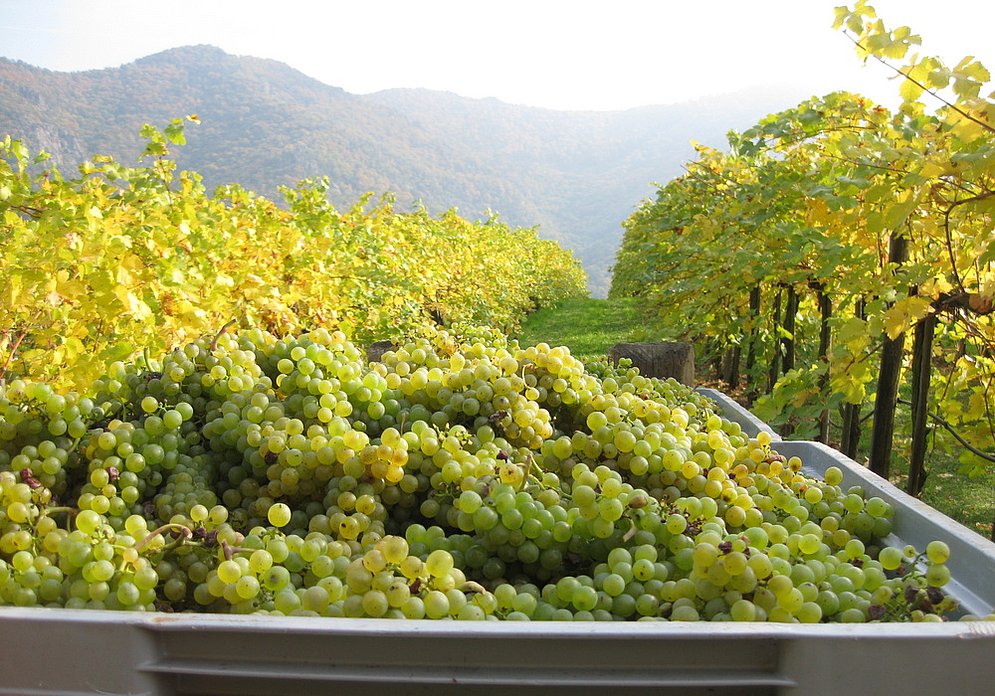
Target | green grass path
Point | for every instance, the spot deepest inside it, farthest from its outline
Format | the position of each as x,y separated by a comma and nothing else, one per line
589,327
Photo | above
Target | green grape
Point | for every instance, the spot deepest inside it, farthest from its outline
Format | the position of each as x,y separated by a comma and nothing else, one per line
375,603
229,571
743,610
833,476
279,515
87,521
171,419
876,507
436,604
937,552
937,575
890,557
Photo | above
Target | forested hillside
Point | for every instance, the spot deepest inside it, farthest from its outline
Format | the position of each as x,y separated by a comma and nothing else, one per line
264,124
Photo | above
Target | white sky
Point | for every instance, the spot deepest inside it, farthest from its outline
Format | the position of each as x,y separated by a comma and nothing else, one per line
560,54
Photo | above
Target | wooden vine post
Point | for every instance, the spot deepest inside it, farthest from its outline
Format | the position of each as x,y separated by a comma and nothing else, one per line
886,399
922,352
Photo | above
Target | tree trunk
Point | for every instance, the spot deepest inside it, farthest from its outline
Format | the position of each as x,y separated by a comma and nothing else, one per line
887,392
922,368
788,341
732,374
662,360
850,438
751,352
775,361
825,314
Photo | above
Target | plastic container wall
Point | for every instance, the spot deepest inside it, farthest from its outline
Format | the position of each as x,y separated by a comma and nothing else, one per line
49,652
732,410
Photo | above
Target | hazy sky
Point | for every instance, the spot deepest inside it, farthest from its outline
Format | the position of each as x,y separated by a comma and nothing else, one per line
558,54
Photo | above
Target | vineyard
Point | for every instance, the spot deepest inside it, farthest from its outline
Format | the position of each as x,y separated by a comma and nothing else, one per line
838,262
120,260
191,422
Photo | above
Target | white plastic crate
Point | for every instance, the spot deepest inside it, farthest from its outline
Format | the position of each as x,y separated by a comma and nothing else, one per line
52,651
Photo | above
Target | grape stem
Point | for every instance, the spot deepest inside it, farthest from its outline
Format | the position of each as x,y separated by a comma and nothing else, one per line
214,341
56,510
631,532
184,531
528,471
230,551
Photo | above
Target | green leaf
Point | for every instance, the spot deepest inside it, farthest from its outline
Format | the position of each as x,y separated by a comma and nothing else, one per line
896,215
119,351
174,132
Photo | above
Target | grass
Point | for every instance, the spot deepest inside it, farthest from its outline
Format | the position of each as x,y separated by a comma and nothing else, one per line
969,500
589,327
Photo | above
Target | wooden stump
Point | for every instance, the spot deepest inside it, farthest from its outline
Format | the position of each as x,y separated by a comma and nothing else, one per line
662,360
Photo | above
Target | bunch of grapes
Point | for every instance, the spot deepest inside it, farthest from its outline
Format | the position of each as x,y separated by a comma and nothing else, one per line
461,476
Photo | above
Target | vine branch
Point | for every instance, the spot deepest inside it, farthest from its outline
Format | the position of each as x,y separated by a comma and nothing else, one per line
987,126
987,456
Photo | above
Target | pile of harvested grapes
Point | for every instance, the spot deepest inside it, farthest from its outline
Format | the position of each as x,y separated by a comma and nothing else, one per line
458,477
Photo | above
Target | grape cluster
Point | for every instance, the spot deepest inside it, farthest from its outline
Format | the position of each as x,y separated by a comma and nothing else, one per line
461,476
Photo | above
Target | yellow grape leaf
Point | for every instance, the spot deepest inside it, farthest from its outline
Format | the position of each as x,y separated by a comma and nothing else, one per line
934,287
977,405
900,315
965,129
133,261
118,351
932,169
853,390
73,347
14,290
135,306
101,281
909,90
939,75
188,310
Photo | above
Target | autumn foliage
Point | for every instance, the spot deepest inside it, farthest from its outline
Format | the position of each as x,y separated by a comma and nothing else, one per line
116,260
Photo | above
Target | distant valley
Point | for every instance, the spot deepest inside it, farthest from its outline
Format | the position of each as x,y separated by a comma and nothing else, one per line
576,174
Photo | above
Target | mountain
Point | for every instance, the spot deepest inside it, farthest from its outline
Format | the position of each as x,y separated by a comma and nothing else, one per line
576,174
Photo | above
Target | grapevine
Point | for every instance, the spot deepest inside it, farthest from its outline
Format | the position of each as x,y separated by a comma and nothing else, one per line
96,267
